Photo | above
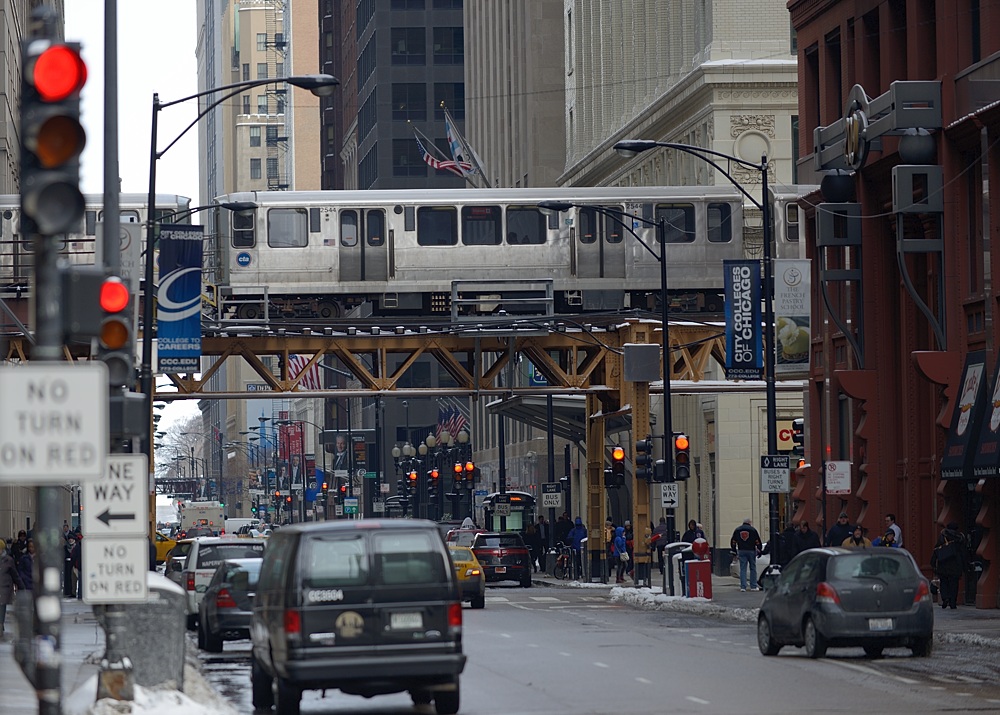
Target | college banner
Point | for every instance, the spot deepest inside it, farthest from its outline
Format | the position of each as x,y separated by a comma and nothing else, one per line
791,316
744,355
178,299
956,463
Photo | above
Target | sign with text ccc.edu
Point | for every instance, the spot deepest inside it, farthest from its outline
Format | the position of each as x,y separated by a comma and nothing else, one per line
178,298
744,353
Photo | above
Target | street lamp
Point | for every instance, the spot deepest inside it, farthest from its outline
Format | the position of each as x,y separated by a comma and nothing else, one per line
319,84
302,465
631,147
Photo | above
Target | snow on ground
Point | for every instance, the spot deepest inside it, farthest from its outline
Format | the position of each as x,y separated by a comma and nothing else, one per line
198,698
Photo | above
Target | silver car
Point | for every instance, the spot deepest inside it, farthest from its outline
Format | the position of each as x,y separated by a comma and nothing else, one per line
873,598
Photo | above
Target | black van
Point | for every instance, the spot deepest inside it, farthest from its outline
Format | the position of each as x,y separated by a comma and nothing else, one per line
367,607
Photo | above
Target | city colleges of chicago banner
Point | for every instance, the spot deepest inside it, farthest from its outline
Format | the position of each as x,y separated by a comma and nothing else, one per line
178,299
744,353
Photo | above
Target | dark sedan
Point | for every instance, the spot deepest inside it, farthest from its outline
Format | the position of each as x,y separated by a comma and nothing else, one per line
226,609
874,598
503,557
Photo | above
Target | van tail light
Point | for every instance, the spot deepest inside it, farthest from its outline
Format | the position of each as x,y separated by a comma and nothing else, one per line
825,593
454,616
293,625
923,593
190,582
224,600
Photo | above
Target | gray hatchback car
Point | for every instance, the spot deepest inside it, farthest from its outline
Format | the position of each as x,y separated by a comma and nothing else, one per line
367,607
873,598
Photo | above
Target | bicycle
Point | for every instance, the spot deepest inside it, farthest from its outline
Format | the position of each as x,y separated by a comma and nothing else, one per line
563,568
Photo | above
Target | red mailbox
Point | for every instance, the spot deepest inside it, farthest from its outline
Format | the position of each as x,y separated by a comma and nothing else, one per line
699,579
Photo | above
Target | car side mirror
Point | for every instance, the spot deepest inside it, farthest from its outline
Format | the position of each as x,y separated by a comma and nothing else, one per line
176,566
769,580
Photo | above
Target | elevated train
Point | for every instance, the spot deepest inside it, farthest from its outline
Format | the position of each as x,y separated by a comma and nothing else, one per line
303,254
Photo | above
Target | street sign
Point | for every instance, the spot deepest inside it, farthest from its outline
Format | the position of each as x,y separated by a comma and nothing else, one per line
350,505
838,477
118,503
383,488
114,570
774,473
552,495
669,495
501,505
54,425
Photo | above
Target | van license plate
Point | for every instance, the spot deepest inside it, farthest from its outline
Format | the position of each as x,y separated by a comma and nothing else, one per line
406,621
880,624
501,569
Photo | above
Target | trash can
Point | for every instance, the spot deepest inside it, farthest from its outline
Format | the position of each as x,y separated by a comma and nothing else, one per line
699,579
722,560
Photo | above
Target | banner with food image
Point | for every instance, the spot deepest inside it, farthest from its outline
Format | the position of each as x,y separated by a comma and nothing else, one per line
791,316
986,462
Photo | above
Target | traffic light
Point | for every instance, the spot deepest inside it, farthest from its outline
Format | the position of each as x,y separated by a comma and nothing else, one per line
470,473
433,481
343,492
643,459
682,457
618,466
459,469
114,342
253,508
799,436
277,499
52,137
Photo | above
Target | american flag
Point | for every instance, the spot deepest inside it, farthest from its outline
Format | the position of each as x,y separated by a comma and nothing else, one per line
312,379
457,168
451,419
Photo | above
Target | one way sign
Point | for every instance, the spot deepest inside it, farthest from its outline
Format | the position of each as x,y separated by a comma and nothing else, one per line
118,503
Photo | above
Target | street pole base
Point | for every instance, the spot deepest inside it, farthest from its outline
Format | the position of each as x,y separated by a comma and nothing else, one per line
115,680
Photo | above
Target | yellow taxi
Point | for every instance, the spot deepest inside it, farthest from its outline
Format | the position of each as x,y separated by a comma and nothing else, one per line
471,580
163,546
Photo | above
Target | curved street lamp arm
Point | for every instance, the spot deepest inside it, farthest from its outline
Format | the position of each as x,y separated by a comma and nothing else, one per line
201,114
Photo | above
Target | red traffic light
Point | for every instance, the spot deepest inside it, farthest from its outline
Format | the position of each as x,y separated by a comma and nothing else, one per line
434,474
288,500
458,469
58,73
681,442
343,489
114,295
618,454
324,486
413,476
277,495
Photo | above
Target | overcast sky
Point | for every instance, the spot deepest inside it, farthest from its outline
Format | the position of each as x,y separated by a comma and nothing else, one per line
156,46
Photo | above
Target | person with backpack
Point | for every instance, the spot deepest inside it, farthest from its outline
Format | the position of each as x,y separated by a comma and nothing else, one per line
949,561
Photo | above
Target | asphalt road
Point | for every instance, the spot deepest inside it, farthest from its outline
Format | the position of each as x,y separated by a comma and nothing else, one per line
563,650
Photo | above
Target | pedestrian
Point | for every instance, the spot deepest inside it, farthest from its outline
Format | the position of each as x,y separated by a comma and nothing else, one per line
545,537
888,540
69,585
65,531
25,565
783,549
534,544
890,523
561,529
747,545
949,561
660,540
693,532
18,547
619,553
630,548
10,581
857,539
75,558
806,538
839,532
576,537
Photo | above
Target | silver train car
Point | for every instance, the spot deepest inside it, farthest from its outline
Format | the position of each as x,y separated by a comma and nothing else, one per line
320,254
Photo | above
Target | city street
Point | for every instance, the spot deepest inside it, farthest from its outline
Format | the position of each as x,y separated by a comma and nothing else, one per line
571,650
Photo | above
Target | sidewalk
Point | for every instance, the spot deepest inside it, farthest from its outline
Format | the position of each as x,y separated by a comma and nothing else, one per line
966,624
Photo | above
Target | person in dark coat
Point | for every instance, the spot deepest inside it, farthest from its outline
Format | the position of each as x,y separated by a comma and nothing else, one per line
576,536
76,561
949,561
839,532
545,538
747,545
660,539
534,543
10,581
806,538
18,547
25,565
69,588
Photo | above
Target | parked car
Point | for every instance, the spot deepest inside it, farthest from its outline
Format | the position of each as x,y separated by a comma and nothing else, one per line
224,613
368,607
503,556
763,561
833,597
471,579
174,563
206,555
164,544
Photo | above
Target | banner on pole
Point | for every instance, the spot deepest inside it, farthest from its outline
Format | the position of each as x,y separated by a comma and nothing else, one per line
744,356
178,299
791,316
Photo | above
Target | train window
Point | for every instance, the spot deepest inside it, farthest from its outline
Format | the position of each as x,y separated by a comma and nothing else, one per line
612,226
314,223
243,234
792,222
409,219
437,226
588,225
90,223
525,225
680,222
349,229
375,227
481,226
287,228
130,216
720,223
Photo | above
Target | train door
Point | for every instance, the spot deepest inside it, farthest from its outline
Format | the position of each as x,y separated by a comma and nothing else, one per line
363,248
599,246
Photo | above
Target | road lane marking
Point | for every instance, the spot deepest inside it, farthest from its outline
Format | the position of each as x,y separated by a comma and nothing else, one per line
644,681
549,599
601,665
699,701
874,671
562,652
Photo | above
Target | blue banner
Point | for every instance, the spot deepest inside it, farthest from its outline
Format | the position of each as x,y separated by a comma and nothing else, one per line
178,299
744,351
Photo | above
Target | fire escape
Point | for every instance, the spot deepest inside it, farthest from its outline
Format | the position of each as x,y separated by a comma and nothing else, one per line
276,139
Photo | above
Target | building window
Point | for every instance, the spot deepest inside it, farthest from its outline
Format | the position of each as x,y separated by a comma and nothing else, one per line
281,105
406,158
447,4
261,41
453,96
367,116
409,101
272,168
246,71
279,40
272,135
255,168
449,45
246,104
279,69
407,5
409,45
262,70
254,136
261,104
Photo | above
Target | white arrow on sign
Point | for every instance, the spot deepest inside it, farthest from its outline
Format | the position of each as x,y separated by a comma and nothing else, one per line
118,503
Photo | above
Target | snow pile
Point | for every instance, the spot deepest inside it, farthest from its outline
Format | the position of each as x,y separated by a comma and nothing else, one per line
198,698
654,599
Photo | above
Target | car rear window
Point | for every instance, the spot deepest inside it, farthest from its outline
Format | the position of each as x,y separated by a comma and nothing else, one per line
461,554
506,541
211,555
245,577
887,567
334,561
406,557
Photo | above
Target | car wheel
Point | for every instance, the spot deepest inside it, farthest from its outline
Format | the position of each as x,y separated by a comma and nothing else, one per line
287,697
479,602
873,651
263,697
446,701
420,697
765,639
922,647
814,640
201,637
212,641
526,581
192,621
